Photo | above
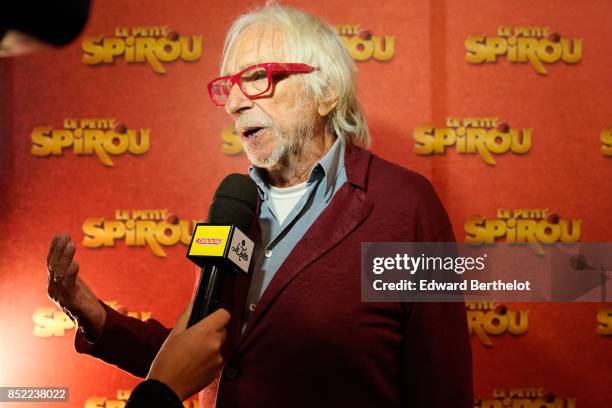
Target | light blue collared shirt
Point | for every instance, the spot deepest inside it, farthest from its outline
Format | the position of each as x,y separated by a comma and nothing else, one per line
277,240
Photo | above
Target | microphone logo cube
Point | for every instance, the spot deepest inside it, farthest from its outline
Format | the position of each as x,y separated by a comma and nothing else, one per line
209,240
241,249
222,244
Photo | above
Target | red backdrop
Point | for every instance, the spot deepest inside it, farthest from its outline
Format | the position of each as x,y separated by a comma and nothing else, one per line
421,90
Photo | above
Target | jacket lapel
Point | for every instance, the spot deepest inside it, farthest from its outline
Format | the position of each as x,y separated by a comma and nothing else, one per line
347,209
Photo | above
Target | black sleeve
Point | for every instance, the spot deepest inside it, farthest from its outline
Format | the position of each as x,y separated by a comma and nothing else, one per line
153,394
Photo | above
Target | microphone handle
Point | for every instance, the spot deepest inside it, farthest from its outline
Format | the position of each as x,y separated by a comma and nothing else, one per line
207,299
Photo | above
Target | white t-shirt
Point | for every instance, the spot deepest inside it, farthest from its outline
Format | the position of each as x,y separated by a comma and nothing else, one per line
284,199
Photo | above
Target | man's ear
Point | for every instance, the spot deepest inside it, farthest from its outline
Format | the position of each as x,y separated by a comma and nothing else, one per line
327,103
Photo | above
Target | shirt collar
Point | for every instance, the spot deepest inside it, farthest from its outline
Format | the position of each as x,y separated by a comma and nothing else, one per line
328,168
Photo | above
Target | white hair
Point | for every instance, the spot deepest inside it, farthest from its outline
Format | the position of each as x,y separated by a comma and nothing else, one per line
311,41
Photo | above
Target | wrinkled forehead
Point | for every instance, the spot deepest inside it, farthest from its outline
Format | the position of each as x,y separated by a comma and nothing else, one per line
255,44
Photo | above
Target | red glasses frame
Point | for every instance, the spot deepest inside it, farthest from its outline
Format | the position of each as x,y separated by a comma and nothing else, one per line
271,69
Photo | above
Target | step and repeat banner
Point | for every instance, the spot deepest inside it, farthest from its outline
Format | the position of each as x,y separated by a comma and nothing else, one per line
504,106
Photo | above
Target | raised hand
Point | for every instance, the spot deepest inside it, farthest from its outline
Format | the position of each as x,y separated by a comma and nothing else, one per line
68,291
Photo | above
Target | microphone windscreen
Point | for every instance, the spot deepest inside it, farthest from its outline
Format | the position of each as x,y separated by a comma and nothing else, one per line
234,202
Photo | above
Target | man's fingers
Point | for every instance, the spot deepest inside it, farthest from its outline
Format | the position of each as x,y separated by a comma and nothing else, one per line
51,248
66,258
217,320
71,275
58,250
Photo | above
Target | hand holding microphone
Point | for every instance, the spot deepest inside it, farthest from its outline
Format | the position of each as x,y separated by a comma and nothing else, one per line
190,358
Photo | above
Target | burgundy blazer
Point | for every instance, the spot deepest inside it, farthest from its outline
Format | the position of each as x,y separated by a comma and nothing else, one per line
311,342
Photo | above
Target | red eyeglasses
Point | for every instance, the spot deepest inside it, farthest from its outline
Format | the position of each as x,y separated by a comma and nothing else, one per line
254,81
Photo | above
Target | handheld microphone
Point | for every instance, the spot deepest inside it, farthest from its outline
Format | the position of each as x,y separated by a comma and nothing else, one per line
221,245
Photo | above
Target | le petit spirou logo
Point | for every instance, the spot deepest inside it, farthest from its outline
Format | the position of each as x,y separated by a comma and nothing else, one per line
478,135
139,44
152,228
362,45
524,398
487,319
535,45
604,322
606,142
86,137
230,141
523,225
121,399
50,321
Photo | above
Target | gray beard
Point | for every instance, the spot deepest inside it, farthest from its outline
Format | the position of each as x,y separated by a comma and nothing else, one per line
291,148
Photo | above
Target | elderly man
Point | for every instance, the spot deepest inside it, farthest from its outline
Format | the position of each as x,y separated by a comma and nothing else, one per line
308,340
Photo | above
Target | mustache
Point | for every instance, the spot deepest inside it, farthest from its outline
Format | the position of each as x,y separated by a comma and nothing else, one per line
253,121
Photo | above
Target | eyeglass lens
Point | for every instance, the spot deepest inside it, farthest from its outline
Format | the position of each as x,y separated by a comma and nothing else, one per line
253,82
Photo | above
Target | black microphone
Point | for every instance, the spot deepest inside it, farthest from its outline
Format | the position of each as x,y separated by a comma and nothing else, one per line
221,245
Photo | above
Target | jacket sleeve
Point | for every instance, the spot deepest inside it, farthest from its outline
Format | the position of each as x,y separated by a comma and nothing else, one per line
125,342
153,394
